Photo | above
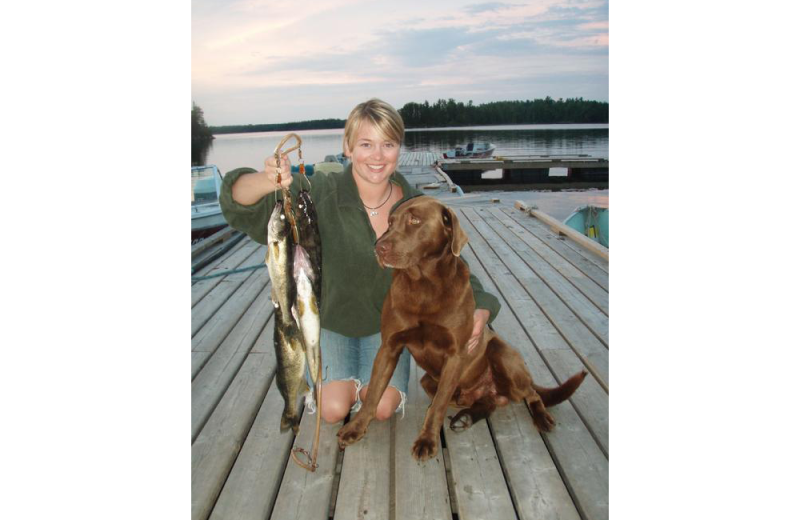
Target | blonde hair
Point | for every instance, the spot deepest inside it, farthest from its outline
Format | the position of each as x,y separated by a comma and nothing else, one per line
380,114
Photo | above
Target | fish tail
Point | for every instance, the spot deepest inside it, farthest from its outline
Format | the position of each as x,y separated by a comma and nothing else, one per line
291,417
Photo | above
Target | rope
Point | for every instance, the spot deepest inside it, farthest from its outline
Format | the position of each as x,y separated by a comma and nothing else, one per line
227,272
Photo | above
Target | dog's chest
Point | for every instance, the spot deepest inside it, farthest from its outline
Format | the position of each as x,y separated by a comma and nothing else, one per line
419,306
431,299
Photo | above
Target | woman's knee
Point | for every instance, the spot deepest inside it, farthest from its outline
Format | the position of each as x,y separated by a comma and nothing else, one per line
334,411
337,399
388,404
385,410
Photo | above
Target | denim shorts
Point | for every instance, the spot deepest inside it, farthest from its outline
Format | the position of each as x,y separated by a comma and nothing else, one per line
346,358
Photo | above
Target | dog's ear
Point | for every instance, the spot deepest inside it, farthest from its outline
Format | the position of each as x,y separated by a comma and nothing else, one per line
458,239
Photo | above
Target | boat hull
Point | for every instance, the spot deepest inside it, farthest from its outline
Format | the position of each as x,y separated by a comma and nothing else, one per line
471,151
591,221
208,222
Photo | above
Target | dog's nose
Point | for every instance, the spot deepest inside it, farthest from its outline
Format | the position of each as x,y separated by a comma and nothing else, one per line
382,248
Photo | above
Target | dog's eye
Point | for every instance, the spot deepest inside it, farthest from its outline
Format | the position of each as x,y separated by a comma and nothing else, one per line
414,220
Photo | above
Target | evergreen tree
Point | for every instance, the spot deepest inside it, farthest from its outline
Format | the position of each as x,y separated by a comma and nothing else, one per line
539,111
201,136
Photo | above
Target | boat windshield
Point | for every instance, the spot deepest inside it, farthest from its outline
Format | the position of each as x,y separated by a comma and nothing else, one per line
205,185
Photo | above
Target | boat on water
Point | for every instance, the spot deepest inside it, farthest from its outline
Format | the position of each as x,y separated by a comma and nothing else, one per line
206,184
206,213
470,151
591,221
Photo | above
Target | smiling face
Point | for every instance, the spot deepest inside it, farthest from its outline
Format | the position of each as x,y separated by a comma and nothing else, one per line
374,156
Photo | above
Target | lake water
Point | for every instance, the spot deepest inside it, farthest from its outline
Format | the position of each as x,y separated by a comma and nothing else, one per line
231,151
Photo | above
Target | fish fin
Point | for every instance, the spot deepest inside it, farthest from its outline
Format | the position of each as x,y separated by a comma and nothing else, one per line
295,315
299,346
311,402
275,297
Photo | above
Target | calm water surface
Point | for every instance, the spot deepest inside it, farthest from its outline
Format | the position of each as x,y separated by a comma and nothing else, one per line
231,151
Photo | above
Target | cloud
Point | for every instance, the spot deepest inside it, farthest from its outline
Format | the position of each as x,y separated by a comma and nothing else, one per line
331,52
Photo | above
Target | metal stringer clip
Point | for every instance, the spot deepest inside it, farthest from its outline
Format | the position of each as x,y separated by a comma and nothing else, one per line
311,458
287,197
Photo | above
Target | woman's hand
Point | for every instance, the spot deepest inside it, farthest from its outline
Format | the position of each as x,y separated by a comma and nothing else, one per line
480,319
252,187
271,171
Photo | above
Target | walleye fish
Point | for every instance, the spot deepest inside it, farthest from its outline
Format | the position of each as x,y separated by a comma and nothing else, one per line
309,238
288,340
306,309
308,281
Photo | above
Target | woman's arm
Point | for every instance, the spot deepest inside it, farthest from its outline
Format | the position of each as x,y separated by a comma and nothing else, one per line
252,187
246,199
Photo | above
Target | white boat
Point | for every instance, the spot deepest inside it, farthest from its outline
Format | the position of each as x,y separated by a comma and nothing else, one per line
206,213
470,151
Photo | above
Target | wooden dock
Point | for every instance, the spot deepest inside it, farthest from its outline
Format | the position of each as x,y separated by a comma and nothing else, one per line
523,162
554,296
576,170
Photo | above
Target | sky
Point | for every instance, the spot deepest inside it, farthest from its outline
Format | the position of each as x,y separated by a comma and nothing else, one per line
277,61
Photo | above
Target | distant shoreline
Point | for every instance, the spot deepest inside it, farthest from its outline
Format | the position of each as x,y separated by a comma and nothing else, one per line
285,128
452,114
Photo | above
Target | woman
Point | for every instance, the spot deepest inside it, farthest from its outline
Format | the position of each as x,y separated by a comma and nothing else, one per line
353,210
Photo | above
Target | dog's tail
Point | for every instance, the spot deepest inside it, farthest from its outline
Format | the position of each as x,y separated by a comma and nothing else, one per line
553,396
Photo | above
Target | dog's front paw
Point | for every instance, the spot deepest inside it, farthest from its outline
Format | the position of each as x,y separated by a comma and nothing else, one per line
424,448
350,433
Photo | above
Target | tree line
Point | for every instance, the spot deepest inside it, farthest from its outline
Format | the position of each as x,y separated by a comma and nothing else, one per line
200,130
538,111
314,124
438,114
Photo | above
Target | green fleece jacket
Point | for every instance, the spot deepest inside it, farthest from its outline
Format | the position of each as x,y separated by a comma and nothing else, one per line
353,284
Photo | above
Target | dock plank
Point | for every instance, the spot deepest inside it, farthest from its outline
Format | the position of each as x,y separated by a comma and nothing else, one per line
304,494
500,468
216,298
252,486
513,233
581,461
591,265
480,486
236,258
585,339
561,301
220,324
421,488
217,446
214,263
533,480
216,376
364,485
549,345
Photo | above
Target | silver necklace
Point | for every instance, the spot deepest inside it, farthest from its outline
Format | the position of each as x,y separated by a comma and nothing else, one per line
374,211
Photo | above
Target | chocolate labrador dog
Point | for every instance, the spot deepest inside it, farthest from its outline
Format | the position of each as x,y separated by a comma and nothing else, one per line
429,310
